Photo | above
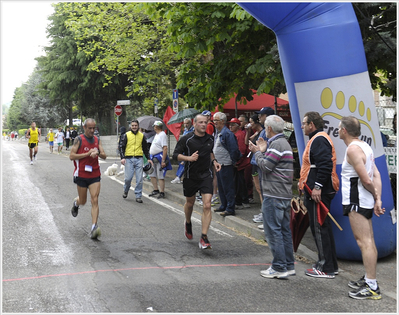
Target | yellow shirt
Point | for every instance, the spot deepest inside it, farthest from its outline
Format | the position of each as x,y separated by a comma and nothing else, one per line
50,136
34,135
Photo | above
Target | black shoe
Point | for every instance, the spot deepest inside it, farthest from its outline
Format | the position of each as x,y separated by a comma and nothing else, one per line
74,209
125,194
154,192
219,210
226,213
139,200
188,231
161,195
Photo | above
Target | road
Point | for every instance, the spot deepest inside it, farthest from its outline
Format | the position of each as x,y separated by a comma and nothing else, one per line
142,262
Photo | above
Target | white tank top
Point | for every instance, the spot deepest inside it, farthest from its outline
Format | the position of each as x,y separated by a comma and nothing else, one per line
353,192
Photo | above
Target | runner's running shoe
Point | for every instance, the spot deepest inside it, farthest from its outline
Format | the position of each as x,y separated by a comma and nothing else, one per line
204,243
75,208
96,232
365,293
188,232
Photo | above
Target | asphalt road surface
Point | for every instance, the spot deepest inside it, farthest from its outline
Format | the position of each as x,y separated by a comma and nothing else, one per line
142,262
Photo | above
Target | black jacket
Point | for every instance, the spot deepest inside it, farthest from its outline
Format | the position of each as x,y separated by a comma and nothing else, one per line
321,157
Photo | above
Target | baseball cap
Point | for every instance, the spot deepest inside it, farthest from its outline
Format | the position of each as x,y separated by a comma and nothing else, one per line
234,121
266,110
158,123
206,113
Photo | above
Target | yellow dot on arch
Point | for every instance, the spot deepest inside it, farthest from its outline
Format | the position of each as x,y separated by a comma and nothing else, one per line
340,100
361,108
368,114
326,98
352,104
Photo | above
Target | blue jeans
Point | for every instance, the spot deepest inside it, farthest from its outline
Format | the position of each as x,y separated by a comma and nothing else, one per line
276,222
227,189
134,165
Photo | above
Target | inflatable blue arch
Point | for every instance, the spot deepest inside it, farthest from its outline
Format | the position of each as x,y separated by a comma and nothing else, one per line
325,70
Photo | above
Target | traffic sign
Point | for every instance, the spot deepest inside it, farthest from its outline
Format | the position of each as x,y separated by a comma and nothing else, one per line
175,106
175,94
118,110
123,102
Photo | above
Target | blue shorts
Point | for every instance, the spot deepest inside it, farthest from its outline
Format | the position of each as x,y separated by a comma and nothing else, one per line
51,143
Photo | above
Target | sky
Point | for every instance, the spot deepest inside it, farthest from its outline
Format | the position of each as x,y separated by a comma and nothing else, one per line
23,35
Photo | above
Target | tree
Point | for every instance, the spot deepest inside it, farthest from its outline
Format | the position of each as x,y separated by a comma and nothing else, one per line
123,40
14,116
377,23
36,106
68,79
223,50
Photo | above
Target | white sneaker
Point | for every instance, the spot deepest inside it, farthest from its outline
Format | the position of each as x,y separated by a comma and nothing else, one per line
271,273
260,226
258,218
31,162
35,158
291,272
176,181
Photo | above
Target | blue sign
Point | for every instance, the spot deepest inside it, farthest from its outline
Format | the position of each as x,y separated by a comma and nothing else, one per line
175,94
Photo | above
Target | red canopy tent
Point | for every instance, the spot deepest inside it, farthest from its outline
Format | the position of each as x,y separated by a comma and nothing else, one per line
259,101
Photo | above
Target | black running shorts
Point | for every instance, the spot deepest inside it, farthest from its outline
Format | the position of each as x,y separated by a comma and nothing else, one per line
85,182
367,213
191,186
32,145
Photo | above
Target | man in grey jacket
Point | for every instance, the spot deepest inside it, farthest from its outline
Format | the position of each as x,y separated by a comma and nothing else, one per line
227,154
275,159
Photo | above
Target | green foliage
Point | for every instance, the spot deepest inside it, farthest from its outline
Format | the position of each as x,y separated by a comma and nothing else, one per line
223,51
377,23
104,51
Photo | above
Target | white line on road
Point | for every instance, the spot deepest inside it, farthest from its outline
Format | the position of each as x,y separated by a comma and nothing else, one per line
173,209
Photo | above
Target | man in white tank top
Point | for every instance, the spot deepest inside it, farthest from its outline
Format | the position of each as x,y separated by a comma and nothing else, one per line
361,195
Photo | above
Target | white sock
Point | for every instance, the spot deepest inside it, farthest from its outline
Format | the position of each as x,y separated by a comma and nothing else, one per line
372,283
93,226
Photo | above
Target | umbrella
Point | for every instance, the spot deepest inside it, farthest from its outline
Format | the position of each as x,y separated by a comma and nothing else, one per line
322,210
183,114
146,122
299,221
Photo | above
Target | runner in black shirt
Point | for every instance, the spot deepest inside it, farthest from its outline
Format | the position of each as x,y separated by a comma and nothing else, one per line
195,149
